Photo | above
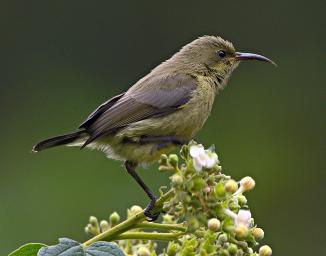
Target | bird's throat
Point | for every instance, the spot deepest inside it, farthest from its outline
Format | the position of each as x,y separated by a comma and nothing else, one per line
221,77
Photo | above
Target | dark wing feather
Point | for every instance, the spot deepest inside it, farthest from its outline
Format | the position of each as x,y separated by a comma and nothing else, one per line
100,110
152,96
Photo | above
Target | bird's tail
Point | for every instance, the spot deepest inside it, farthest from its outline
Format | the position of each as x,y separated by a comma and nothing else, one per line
59,140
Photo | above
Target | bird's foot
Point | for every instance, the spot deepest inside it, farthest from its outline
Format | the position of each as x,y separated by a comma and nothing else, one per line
151,216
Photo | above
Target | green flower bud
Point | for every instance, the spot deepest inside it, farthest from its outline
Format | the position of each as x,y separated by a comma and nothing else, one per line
163,160
250,250
240,252
104,225
114,219
241,231
190,185
143,251
217,168
176,180
258,233
166,207
210,180
265,250
93,221
226,245
242,244
184,197
231,186
88,229
184,152
168,219
95,227
173,160
219,190
166,168
198,184
222,238
135,209
173,248
232,249
242,200
233,206
224,252
214,224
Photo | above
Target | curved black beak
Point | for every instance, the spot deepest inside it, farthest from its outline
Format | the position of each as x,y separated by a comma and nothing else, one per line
252,56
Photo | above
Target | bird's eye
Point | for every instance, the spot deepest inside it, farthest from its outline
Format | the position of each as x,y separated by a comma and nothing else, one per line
221,53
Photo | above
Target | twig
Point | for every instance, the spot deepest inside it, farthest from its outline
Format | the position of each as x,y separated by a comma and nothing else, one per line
179,227
129,223
148,236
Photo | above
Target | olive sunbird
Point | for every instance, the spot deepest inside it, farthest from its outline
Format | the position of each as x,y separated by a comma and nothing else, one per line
161,111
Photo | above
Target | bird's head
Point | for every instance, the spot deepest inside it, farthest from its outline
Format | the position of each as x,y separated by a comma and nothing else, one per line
215,56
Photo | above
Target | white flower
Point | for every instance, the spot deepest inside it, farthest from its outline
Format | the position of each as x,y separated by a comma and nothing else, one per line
243,218
202,158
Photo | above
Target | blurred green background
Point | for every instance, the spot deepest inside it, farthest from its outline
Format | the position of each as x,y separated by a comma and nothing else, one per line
60,59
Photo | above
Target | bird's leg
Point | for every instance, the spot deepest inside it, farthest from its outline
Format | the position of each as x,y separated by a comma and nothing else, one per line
131,169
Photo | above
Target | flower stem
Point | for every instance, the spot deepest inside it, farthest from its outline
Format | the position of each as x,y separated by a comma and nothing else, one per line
148,236
129,223
179,227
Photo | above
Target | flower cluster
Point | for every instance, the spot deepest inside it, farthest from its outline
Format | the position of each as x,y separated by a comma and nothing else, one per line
207,214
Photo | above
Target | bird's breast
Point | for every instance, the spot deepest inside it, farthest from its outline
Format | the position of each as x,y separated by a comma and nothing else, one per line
197,110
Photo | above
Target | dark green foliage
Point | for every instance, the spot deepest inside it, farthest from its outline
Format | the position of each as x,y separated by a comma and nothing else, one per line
30,249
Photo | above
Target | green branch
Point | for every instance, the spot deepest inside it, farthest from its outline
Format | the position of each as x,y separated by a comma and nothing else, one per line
129,223
148,236
151,225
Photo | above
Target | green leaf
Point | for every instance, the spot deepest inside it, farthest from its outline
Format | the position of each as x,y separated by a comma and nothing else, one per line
104,249
30,249
65,247
68,247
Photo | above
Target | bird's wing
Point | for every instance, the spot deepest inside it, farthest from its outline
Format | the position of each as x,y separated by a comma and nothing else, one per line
100,110
151,97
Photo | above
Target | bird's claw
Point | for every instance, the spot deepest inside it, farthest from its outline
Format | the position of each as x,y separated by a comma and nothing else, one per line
152,216
148,211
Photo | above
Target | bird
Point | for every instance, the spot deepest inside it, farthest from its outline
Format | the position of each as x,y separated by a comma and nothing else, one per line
162,111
